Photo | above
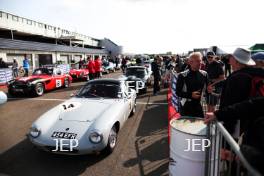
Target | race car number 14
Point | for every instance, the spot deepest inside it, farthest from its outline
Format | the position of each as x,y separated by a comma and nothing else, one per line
58,83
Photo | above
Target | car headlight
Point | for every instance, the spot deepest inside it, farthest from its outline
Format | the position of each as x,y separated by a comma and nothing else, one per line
34,132
95,137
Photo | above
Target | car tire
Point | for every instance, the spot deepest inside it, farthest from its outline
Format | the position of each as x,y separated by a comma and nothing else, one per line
11,92
39,89
112,139
66,83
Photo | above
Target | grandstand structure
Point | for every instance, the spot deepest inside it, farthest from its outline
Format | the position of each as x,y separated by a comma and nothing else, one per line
46,44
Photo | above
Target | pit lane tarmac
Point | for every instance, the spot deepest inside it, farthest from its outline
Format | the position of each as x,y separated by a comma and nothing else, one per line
142,147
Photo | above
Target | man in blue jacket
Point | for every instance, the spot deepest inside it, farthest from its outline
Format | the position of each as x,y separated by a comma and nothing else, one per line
26,65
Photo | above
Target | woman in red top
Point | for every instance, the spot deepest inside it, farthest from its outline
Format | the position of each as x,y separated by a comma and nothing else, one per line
90,67
97,67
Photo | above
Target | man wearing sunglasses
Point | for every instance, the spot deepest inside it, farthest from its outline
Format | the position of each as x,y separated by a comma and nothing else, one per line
215,73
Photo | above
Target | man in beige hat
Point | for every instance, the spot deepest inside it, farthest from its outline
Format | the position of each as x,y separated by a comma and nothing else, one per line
241,58
237,87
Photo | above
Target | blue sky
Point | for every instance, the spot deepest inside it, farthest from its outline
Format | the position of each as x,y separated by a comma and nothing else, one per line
152,26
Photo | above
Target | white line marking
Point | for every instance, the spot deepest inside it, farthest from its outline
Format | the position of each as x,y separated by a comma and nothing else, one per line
57,99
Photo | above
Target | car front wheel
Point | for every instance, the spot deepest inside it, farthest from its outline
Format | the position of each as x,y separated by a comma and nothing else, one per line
112,139
39,89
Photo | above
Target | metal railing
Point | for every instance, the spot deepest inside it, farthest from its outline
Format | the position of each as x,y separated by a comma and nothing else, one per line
224,157
223,144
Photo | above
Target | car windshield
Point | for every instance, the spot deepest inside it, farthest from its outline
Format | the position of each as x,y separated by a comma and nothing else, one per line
99,90
43,71
138,72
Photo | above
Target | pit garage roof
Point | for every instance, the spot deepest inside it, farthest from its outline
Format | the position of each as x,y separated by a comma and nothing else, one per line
37,46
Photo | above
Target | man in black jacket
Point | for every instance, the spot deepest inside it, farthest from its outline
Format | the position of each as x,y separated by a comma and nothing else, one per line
190,86
155,67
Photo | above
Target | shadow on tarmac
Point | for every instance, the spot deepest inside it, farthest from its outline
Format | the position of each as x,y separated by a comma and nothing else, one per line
25,159
152,142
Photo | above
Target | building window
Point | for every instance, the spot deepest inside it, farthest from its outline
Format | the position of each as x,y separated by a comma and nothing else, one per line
15,18
50,27
40,25
29,22
1,14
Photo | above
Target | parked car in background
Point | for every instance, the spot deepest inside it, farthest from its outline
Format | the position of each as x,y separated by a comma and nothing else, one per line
79,74
42,79
138,75
93,117
108,67
147,64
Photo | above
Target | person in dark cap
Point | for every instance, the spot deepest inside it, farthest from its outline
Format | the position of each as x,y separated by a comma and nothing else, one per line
259,59
215,73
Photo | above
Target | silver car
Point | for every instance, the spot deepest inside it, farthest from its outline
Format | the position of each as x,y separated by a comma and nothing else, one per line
88,122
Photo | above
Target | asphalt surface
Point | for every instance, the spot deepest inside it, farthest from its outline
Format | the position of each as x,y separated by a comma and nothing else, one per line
142,147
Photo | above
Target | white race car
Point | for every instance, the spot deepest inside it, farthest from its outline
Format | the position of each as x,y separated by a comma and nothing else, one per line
88,122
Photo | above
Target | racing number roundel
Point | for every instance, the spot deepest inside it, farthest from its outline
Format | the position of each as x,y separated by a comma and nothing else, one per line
58,83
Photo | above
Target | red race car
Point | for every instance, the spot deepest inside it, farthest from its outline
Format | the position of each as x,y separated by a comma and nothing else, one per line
42,79
79,74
